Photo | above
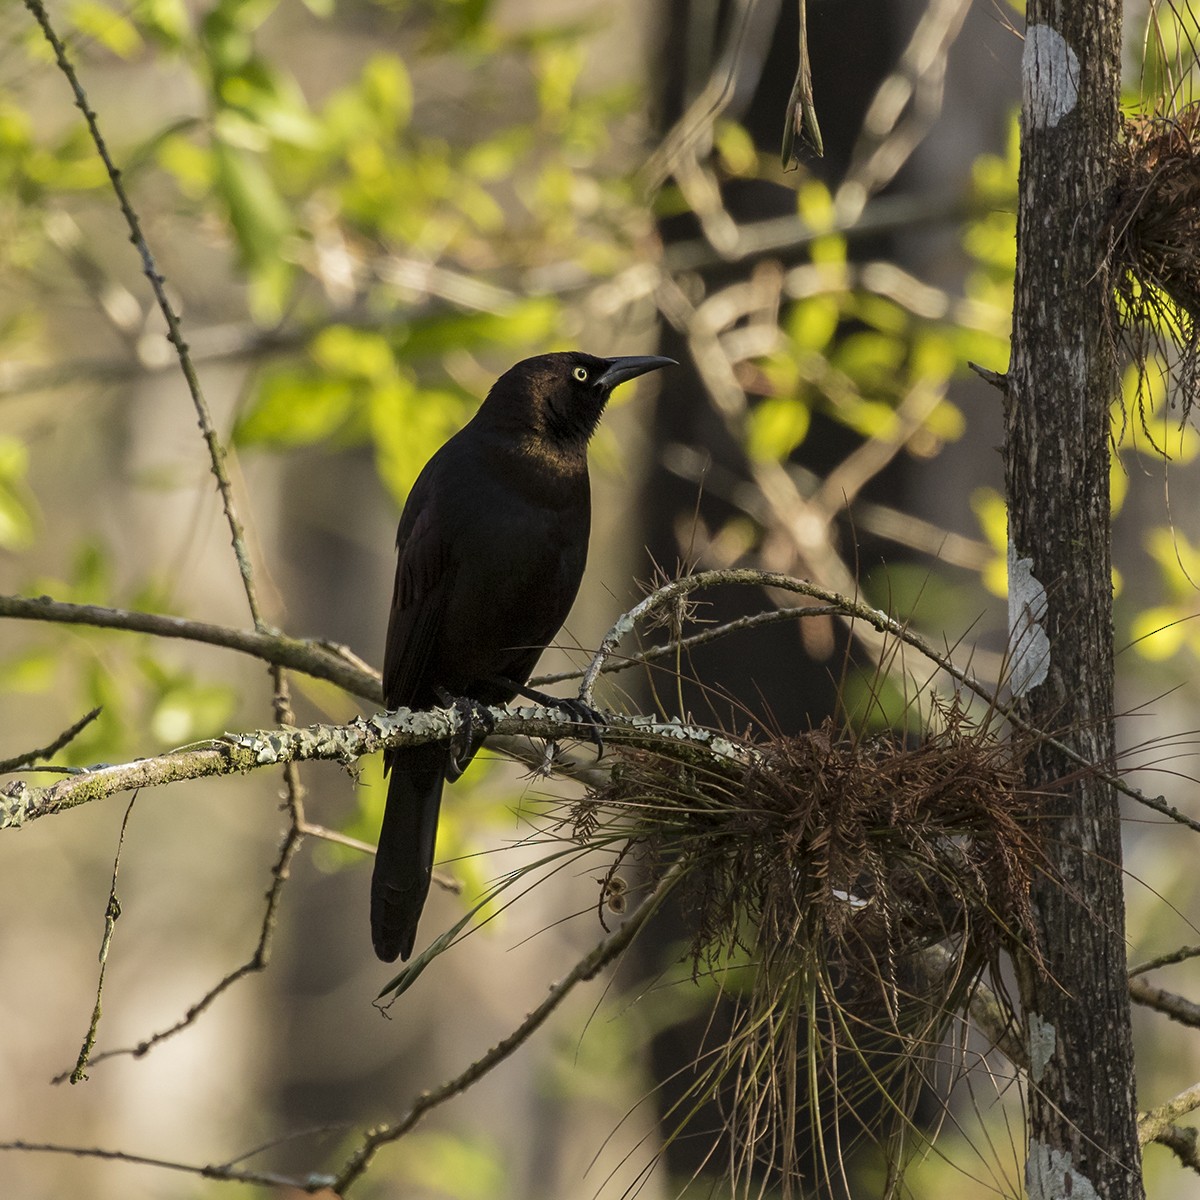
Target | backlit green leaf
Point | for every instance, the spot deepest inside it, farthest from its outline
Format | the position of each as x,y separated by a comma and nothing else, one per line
776,426
108,28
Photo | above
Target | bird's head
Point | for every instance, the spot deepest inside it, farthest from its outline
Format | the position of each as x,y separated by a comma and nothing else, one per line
560,397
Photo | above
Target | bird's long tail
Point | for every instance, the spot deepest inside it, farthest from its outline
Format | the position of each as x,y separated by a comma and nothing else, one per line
404,862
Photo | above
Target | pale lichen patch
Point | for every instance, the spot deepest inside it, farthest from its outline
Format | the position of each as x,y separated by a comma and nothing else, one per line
1050,75
1028,645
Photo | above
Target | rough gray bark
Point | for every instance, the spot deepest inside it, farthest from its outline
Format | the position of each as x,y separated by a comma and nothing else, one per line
1062,379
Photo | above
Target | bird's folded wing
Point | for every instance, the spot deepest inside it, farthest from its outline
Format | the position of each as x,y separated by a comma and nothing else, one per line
424,576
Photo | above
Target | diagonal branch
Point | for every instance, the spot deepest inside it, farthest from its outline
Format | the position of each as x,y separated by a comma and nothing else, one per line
854,610
158,285
66,737
587,968
220,1172
1178,1008
313,658
1156,1125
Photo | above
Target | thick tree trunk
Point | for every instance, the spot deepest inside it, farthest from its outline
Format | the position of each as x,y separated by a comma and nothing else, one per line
1062,380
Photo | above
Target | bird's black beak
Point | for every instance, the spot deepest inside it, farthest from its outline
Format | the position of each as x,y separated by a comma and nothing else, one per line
621,369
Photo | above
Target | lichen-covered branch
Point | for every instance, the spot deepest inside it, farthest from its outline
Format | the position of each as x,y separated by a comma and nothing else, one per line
1158,1125
237,753
1183,1141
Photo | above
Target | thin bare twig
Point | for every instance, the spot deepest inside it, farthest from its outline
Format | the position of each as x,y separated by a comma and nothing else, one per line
671,648
158,285
1165,960
257,962
747,577
1178,1008
111,914
854,610
63,739
587,968
381,1135
308,1184
280,871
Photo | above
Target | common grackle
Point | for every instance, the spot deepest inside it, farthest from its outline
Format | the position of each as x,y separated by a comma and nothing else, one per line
492,544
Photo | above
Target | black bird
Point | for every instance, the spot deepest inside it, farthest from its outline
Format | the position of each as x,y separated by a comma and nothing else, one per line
492,544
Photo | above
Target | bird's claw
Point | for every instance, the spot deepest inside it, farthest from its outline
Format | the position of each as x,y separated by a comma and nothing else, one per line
475,724
577,710
582,713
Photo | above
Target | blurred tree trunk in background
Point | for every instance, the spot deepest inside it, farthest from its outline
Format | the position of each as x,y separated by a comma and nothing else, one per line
786,683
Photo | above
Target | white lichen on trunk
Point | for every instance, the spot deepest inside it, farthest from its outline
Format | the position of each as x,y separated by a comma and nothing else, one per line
1049,1175
1050,75
1028,645
1042,1041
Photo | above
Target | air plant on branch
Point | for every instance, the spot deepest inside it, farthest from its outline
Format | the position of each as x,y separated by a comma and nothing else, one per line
853,893
1152,261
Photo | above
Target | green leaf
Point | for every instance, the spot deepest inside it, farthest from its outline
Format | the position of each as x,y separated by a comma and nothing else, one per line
188,712
812,323
407,425
776,426
354,353
946,422
164,21
190,164
992,514
31,671
873,703
109,29
261,222
387,90
452,1166
528,324
1160,633
16,525
16,522
739,155
297,406
814,202
1178,560
557,67
870,358
90,580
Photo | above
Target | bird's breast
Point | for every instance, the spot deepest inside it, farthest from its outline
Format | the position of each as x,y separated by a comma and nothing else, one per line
519,552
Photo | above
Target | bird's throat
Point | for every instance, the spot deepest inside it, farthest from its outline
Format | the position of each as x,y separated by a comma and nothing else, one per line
562,457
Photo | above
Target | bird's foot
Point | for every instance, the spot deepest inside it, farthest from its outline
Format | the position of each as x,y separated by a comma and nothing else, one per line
475,725
577,710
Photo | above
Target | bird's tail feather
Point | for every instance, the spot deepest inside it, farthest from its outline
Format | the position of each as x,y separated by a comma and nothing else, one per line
404,862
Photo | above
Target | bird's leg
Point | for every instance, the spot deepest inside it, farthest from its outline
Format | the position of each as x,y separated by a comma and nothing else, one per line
574,708
475,724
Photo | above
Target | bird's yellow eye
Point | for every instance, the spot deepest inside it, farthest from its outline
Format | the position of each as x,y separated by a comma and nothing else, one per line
581,374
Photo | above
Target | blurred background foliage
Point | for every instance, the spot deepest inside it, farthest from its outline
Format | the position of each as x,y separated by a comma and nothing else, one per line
364,210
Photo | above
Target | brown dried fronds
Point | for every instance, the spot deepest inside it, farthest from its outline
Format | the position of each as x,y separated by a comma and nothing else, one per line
820,875
1153,257
827,833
